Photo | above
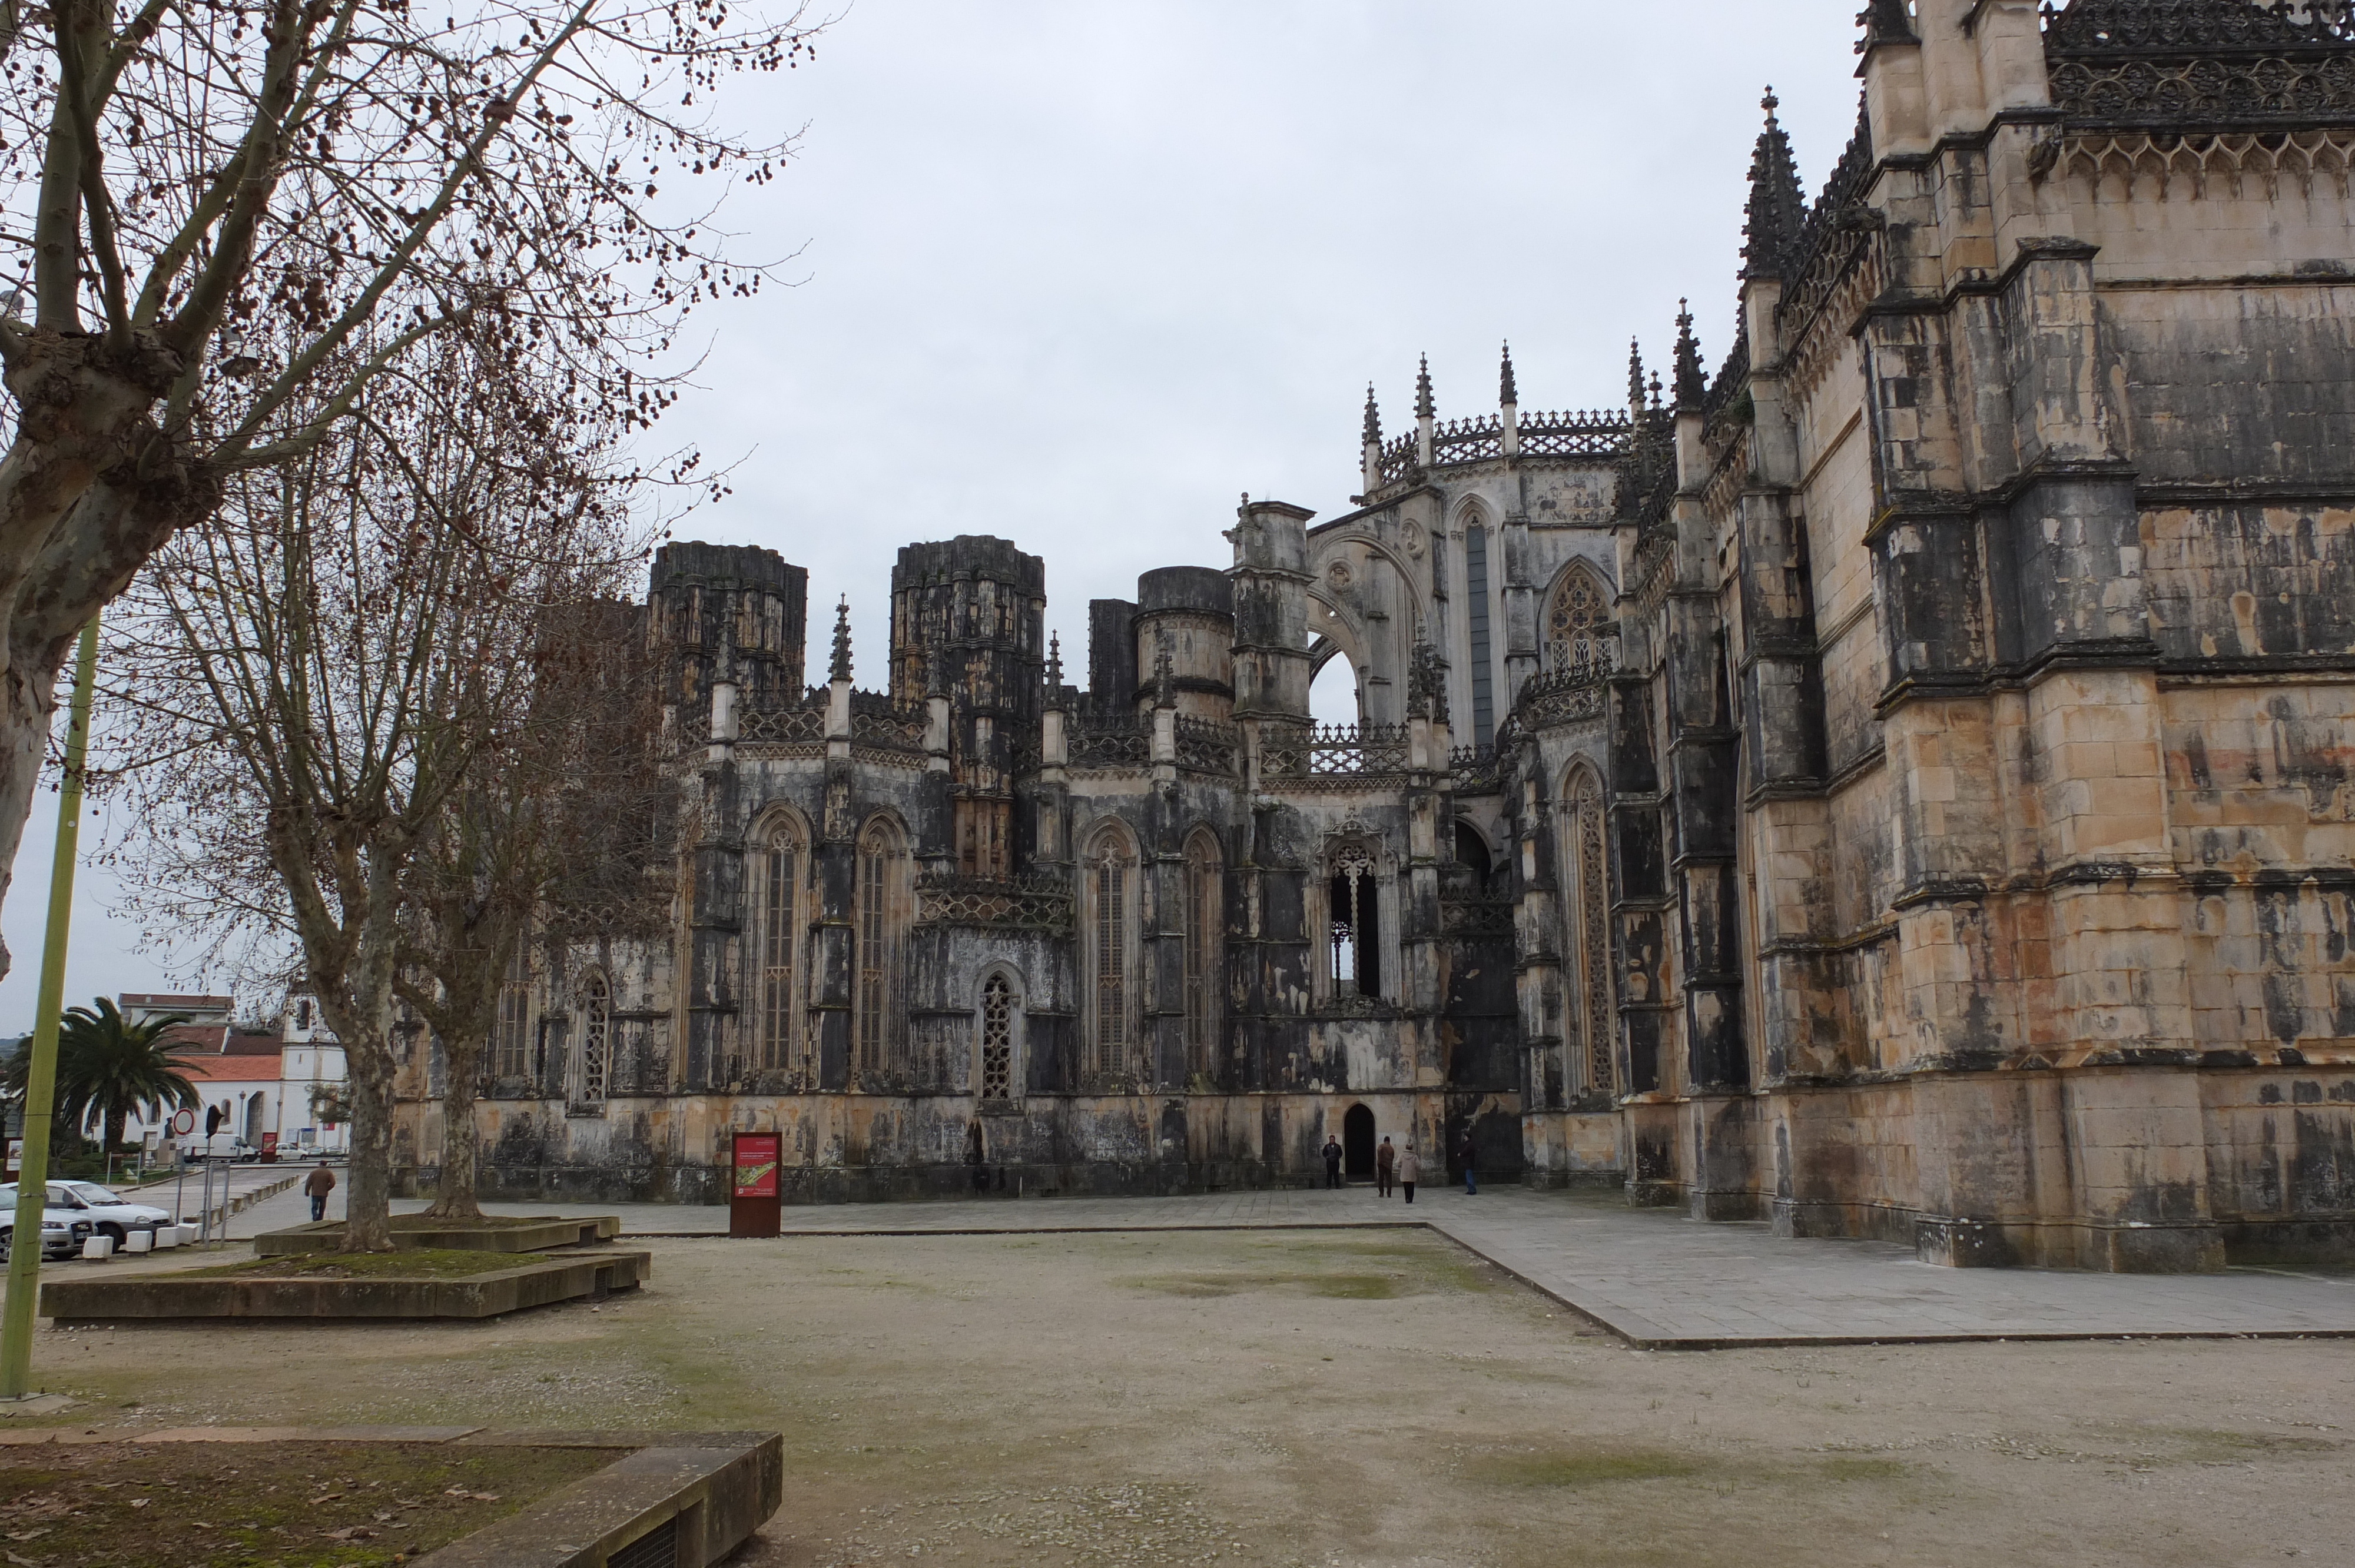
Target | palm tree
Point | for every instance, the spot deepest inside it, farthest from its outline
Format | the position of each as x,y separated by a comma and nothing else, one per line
109,1067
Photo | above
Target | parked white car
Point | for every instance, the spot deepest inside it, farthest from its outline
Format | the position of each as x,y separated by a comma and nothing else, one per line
62,1233
105,1213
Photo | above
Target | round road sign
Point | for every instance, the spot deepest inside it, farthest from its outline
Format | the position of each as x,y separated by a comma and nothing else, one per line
184,1122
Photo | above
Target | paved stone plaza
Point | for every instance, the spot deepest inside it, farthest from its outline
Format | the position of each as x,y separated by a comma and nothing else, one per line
1649,1275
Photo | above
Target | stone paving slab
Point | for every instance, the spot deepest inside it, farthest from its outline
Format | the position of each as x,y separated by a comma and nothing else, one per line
1651,1276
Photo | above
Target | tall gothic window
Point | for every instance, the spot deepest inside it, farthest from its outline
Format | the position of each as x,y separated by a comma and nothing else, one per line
1590,921
882,894
1355,926
1112,926
1476,589
998,1039
596,1038
777,879
509,1056
1580,628
1205,906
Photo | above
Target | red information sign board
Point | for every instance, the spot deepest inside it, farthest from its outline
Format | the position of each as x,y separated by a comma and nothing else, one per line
753,1207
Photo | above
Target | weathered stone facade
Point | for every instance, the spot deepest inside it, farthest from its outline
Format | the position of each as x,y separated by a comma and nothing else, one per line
1899,786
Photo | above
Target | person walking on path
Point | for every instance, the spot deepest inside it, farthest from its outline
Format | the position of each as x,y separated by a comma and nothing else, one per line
1409,1167
1385,1164
315,1187
1470,1153
1332,1152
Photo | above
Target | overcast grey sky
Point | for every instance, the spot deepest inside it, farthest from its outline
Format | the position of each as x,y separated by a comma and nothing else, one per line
1080,272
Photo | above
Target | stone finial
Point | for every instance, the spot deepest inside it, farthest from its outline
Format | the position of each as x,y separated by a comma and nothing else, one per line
1426,681
1373,418
1055,660
1424,408
1692,381
839,669
1635,404
1507,394
1777,204
1659,392
1887,22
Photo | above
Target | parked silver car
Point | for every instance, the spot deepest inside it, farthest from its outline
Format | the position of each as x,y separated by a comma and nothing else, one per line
62,1233
102,1211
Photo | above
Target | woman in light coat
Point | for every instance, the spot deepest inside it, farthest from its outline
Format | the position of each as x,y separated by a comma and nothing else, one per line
1409,1167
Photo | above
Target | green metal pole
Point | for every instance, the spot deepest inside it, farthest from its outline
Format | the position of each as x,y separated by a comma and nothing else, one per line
40,1083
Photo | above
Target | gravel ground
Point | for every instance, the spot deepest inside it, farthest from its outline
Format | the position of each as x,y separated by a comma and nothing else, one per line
1313,1400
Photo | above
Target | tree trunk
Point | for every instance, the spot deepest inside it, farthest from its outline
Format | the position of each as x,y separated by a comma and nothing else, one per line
28,698
114,1119
455,1198
367,1207
89,488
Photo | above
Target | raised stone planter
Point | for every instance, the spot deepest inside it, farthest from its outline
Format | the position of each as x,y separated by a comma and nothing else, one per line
415,1230
684,1501
671,1499
149,1297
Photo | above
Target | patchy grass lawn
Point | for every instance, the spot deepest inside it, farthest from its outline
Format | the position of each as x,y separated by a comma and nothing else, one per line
418,1263
263,1505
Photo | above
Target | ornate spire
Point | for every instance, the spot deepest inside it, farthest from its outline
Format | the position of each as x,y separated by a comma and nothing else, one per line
1692,381
840,668
1507,392
1373,418
1165,682
1778,205
1886,22
1423,405
1636,376
1055,660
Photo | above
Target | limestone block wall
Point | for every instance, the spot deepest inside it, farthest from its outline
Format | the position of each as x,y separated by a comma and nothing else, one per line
853,1148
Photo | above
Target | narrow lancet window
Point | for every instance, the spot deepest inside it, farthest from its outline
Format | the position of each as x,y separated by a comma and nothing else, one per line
1476,589
596,1039
996,1039
776,950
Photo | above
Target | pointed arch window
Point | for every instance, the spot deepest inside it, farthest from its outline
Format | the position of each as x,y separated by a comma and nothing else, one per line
1475,589
1580,632
509,1048
998,1039
595,1057
883,895
1204,916
1354,946
779,1040
1590,921
1112,961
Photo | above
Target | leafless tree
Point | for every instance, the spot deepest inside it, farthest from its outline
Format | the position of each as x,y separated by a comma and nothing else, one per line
228,219
557,826
312,681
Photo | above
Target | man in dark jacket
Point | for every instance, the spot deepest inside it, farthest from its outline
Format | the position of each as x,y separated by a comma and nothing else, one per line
1332,1152
315,1187
1385,1164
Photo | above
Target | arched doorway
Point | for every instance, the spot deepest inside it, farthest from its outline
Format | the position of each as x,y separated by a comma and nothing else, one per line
1357,1143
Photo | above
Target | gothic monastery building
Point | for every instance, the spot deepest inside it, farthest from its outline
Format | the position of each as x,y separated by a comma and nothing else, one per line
1897,785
